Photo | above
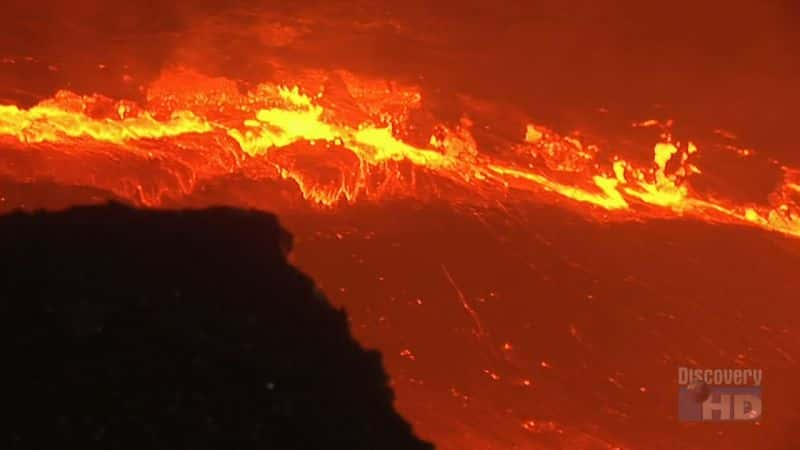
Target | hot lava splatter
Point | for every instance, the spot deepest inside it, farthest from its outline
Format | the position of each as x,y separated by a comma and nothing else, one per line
349,145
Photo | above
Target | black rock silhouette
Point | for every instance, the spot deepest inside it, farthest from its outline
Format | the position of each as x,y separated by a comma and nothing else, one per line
132,329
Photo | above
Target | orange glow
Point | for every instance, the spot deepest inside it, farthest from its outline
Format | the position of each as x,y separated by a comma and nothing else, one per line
338,152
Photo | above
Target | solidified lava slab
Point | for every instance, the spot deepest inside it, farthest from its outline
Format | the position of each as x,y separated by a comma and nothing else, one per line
143,329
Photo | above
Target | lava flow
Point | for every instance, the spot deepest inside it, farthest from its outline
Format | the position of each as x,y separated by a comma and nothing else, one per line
357,143
536,211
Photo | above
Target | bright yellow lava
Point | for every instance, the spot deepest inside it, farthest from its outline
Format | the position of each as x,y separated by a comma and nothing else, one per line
264,125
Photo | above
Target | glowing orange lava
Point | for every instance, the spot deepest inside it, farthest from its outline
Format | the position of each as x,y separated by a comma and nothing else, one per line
347,148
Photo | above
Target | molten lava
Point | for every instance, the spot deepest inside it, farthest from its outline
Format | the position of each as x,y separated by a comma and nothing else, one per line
344,147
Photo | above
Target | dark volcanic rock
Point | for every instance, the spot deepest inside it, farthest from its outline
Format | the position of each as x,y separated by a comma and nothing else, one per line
140,330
